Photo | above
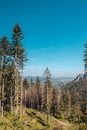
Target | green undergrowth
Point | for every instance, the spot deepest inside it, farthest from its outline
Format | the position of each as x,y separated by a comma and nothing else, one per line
33,120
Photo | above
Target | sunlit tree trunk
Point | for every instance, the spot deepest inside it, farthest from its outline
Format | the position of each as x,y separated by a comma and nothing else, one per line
48,87
48,109
0,97
16,87
11,101
21,107
3,98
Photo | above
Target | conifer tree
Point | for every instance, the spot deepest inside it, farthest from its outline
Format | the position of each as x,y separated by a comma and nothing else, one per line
19,56
25,84
54,104
4,52
38,95
47,90
32,96
12,58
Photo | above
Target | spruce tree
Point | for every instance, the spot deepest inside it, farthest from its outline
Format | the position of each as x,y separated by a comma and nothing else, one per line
38,93
47,92
4,52
19,57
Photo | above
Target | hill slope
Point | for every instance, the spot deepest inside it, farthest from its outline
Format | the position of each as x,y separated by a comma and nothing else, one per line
32,120
76,95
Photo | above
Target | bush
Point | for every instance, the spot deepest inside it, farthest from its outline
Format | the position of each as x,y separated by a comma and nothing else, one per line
60,115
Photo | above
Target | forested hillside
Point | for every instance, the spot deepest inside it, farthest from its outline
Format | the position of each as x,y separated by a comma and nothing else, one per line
75,93
24,101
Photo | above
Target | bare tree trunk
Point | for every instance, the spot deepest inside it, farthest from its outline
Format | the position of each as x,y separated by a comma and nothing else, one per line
16,89
2,98
42,99
16,82
25,93
21,95
37,101
2,109
48,109
11,102
30,97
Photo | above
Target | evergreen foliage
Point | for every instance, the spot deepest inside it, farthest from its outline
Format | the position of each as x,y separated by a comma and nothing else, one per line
17,94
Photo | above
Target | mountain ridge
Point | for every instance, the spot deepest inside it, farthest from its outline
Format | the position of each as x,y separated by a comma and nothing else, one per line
81,76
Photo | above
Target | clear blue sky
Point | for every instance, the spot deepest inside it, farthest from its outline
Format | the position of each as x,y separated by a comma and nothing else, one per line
55,32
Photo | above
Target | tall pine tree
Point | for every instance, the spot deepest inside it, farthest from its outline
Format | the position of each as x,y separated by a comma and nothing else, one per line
47,90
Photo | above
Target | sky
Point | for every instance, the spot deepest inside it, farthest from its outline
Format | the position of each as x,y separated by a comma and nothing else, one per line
55,32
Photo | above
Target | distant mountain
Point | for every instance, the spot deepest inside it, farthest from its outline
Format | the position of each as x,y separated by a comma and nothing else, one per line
76,93
79,84
57,81
81,77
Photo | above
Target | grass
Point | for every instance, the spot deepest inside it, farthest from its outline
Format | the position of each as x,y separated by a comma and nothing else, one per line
33,120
